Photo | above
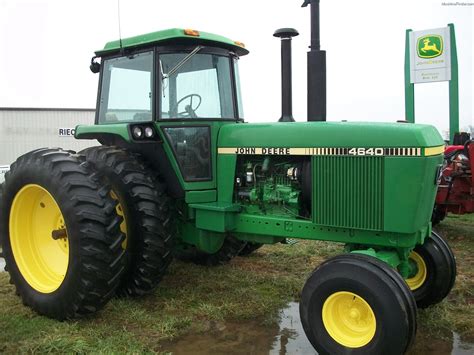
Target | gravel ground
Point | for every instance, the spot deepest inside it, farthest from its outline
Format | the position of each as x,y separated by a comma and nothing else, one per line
2,265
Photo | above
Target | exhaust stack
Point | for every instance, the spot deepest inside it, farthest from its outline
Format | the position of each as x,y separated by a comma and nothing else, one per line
316,69
286,96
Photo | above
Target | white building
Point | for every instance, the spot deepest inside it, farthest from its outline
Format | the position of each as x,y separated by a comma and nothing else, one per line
25,129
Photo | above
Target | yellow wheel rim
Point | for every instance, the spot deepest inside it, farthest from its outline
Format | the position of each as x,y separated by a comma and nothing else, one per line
418,279
119,210
42,260
349,319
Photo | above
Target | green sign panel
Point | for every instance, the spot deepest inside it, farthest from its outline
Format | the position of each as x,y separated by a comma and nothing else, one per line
430,46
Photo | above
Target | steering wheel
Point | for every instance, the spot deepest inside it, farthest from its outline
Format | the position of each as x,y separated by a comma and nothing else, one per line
189,110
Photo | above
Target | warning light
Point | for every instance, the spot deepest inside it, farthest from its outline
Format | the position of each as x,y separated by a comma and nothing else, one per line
190,32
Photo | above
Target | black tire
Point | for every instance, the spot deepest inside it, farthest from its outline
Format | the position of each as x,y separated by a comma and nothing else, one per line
376,283
230,249
146,209
438,215
249,248
440,271
95,259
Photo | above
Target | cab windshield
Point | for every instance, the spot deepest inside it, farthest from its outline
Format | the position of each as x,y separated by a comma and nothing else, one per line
197,87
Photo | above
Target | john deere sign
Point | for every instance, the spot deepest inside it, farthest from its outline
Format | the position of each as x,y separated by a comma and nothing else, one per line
430,46
429,55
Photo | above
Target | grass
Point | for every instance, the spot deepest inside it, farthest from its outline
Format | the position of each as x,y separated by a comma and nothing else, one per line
192,297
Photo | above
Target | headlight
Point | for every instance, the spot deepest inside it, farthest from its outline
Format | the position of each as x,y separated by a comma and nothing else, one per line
137,132
149,133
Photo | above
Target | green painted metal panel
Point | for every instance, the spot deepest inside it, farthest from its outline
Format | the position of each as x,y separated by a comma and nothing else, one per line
215,216
226,177
217,206
348,191
409,190
329,134
171,36
303,229
206,241
200,196
90,132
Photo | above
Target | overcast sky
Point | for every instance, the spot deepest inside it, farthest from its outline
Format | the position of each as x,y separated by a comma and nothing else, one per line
46,46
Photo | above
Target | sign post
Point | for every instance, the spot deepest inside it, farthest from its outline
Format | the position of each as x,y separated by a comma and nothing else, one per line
409,86
431,56
453,88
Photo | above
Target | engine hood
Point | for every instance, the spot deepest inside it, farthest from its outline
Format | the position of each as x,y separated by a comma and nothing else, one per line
328,134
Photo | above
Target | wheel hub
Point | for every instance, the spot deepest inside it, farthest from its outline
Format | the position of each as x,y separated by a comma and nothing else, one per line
349,319
354,313
419,271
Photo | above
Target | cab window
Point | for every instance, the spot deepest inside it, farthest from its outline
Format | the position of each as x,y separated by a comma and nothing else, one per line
192,149
199,87
127,89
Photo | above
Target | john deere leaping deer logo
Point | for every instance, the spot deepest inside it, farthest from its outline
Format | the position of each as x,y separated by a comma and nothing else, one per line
430,46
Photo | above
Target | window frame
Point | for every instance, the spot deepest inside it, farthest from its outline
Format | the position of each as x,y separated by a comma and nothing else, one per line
239,106
205,50
156,81
152,87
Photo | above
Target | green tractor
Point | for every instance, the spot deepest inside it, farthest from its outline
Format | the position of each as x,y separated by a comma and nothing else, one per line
179,173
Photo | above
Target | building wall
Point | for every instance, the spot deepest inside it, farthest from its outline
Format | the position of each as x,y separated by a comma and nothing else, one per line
23,130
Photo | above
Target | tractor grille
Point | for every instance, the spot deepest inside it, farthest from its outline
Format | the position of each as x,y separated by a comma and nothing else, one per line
348,191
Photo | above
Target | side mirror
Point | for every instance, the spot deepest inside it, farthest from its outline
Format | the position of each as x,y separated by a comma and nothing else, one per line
95,66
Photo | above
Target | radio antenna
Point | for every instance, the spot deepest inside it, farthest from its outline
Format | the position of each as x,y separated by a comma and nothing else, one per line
119,28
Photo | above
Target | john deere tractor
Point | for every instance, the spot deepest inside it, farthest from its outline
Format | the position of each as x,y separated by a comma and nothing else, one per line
179,172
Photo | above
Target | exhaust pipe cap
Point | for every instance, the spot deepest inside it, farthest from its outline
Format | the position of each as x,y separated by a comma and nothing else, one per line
286,33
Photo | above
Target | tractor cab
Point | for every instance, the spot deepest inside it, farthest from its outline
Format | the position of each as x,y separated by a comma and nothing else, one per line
169,75
176,87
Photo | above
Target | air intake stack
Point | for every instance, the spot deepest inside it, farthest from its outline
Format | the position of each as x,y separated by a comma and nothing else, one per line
316,69
286,96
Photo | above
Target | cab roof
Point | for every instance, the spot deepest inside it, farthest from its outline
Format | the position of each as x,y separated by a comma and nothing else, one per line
173,36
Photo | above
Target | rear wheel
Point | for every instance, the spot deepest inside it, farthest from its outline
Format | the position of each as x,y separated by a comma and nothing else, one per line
60,234
434,273
147,218
356,304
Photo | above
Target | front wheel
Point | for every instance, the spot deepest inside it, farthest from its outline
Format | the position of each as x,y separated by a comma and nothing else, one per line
434,272
356,304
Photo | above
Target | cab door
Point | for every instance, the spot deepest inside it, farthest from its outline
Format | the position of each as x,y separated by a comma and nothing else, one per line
196,96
